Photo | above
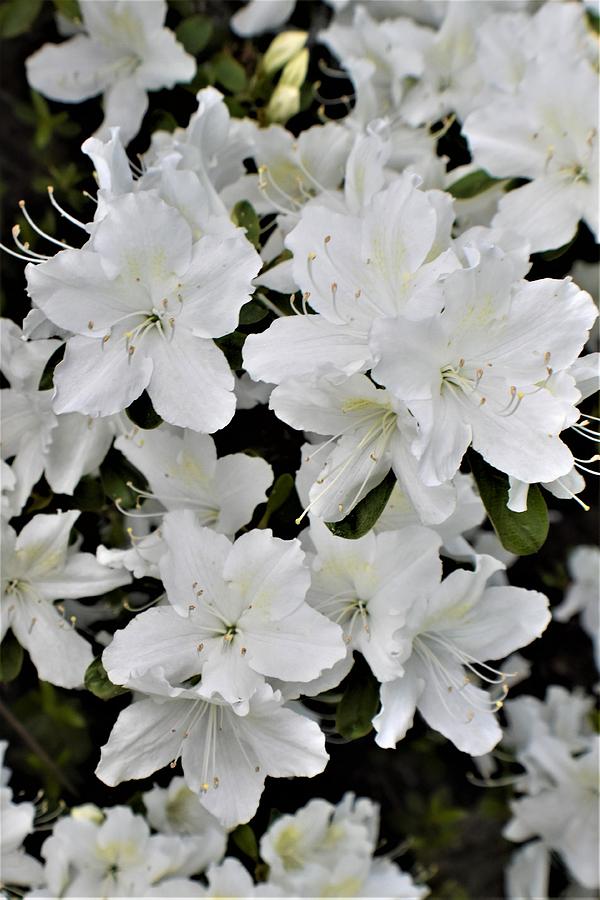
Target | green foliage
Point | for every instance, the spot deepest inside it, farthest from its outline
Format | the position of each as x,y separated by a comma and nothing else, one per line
69,9
359,703
17,16
252,312
229,73
245,840
472,185
55,720
281,490
194,33
244,216
521,533
11,658
231,345
365,514
142,413
45,123
98,683
117,474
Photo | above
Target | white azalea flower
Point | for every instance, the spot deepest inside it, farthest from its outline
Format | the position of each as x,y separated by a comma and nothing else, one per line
565,812
111,853
325,851
125,52
177,810
226,750
144,302
183,472
39,568
366,585
552,124
371,433
352,270
230,879
583,594
16,866
527,875
460,625
476,371
62,447
238,614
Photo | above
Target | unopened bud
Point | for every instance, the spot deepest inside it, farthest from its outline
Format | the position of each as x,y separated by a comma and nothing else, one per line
284,103
88,812
282,49
295,71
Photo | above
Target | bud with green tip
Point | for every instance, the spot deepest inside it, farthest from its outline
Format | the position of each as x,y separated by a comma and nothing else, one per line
281,50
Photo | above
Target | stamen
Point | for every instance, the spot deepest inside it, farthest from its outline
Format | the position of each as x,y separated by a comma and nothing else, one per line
62,244
16,230
63,212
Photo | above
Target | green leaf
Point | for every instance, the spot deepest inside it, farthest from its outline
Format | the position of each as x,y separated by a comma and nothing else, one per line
116,474
252,312
231,345
280,491
229,73
521,533
47,379
194,33
244,216
359,704
17,16
69,9
98,683
472,185
142,413
593,20
365,514
245,840
11,658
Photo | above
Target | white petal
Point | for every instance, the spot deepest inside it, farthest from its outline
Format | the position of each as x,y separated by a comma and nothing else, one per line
59,654
125,104
99,378
546,211
81,576
71,72
191,384
259,16
398,706
194,562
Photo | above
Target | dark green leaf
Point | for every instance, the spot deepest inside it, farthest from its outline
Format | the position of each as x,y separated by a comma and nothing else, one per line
252,312
244,216
117,474
231,345
229,73
593,20
365,514
47,379
280,491
359,703
245,840
11,658
194,33
142,413
521,533
69,9
17,16
98,683
471,185
88,495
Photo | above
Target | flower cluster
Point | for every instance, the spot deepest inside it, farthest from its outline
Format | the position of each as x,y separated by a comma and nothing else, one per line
423,373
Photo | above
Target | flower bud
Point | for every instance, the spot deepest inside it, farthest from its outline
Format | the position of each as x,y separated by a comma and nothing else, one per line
88,812
284,103
281,49
295,71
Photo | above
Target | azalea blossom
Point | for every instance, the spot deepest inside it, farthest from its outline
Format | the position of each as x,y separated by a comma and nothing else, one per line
16,866
351,270
62,447
183,472
583,593
450,635
226,750
552,123
144,302
475,372
124,52
177,810
371,433
565,812
327,850
237,614
38,567
111,853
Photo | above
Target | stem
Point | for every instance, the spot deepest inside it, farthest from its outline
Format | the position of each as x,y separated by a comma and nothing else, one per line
39,751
